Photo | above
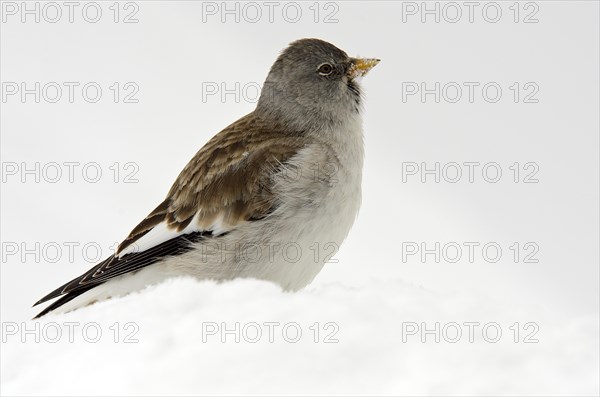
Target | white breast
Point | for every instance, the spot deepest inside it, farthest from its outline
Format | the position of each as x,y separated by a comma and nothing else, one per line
315,216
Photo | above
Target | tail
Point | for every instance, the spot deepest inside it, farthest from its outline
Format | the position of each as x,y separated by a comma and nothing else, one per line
65,299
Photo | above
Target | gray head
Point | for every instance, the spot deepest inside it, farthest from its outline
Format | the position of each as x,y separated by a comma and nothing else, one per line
313,84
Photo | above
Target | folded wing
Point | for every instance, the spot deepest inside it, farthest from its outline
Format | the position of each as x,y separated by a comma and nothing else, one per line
227,183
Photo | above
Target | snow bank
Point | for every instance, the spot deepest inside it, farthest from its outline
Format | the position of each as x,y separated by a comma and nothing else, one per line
184,343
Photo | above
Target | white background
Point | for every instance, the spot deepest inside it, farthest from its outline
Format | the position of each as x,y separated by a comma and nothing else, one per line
176,49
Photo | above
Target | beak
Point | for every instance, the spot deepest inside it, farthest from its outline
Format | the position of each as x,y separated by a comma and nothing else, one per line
361,66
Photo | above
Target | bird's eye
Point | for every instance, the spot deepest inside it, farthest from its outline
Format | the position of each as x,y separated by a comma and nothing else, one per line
325,69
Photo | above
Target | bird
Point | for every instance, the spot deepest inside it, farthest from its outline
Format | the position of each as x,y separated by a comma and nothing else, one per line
270,197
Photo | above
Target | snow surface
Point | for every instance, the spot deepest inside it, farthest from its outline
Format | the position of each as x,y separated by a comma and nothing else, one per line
370,357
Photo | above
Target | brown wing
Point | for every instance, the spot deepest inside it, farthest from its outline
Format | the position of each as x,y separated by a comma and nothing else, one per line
228,180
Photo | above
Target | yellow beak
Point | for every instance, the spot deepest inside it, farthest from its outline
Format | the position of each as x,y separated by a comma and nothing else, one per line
361,66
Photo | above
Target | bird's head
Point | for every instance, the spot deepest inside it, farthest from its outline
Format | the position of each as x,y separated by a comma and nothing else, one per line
314,81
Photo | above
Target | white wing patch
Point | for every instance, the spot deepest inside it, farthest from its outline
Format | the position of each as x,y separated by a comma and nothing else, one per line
161,233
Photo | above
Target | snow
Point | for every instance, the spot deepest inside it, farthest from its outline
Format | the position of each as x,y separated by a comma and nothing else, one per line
180,351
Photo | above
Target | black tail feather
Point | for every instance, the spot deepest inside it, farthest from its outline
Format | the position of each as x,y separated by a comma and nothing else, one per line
67,298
